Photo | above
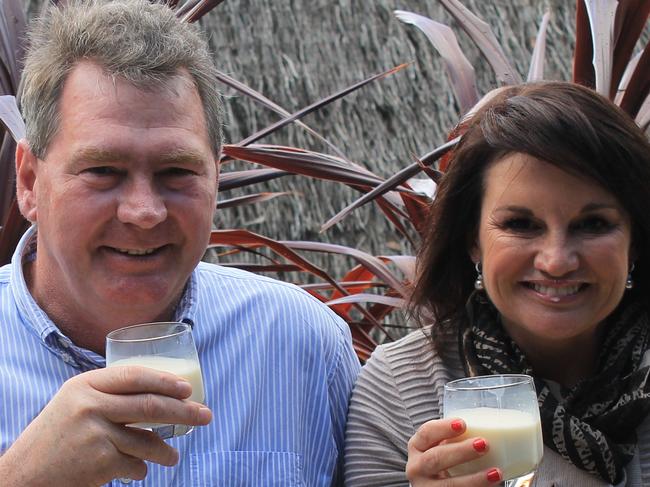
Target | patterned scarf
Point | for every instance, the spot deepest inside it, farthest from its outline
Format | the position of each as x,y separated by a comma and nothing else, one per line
594,425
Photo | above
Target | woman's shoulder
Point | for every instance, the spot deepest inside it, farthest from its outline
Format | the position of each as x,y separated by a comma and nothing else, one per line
415,355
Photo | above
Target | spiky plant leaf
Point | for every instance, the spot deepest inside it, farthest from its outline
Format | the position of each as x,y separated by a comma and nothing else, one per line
536,70
484,38
459,69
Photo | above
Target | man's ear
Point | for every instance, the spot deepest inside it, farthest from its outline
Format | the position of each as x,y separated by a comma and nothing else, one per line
26,168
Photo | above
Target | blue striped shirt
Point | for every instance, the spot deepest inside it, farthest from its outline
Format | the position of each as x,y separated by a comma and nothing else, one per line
278,368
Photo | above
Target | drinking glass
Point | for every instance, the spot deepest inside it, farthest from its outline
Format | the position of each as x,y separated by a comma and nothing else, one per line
502,409
162,346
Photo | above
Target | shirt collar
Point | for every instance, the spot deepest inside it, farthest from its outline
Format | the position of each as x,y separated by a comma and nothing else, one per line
39,323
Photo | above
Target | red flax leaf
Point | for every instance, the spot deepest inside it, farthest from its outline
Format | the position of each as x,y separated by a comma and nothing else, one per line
536,70
14,227
391,183
370,262
638,88
369,298
12,30
602,16
643,117
243,237
307,163
631,19
357,273
261,268
625,79
249,199
316,106
485,40
583,68
11,117
459,69
193,10
418,209
352,285
239,179
255,95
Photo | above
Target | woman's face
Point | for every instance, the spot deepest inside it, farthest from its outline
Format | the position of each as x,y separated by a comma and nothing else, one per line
555,251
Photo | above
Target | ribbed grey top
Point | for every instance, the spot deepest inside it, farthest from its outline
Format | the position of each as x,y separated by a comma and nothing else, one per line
401,387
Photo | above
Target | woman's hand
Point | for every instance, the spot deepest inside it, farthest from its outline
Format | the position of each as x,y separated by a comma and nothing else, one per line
431,451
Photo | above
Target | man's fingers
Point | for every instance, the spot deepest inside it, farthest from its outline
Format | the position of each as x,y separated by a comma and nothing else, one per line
132,468
144,445
154,408
135,379
433,432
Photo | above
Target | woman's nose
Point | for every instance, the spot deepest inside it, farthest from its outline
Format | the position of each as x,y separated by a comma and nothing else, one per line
141,204
557,256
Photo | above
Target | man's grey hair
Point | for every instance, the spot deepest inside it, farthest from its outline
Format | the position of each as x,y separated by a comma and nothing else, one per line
138,41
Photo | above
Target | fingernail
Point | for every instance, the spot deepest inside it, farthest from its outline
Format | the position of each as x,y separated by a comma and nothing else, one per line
457,425
479,445
205,415
184,387
493,475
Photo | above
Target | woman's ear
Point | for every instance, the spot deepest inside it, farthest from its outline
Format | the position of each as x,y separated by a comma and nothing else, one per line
475,253
26,168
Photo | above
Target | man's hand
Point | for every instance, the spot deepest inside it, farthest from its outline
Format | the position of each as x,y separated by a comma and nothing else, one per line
80,437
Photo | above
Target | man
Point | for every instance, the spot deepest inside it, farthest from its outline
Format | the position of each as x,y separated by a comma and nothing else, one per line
119,176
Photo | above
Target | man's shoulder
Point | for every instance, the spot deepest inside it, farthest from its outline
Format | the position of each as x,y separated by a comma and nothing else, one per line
251,289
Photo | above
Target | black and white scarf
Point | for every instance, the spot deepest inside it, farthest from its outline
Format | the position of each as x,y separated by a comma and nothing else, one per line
594,425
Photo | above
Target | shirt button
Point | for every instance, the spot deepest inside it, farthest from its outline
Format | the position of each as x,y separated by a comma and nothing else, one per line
67,358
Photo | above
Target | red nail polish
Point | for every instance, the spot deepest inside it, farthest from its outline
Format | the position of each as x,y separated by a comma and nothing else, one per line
457,425
479,445
493,475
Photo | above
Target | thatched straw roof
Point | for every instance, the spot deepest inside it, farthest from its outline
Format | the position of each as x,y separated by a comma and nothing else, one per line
297,51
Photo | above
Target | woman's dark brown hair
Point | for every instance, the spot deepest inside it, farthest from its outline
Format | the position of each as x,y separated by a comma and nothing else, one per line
564,124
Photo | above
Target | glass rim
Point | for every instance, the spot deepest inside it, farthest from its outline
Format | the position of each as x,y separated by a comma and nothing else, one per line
523,379
185,328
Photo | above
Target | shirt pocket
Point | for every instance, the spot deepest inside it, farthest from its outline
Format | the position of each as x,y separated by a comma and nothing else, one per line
246,469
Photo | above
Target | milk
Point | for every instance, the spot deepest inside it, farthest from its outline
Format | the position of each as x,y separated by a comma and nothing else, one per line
514,440
186,368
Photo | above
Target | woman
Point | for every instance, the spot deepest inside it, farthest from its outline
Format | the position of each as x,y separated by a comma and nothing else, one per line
536,262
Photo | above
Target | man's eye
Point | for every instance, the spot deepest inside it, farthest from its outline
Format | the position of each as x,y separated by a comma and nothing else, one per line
178,171
101,171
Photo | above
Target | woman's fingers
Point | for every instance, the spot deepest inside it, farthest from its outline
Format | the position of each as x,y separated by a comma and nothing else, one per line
433,432
435,448
447,455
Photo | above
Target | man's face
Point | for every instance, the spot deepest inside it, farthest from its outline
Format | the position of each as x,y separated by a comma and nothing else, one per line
123,200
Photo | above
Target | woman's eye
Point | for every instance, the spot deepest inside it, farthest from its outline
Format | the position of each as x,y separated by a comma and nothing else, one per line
594,224
520,225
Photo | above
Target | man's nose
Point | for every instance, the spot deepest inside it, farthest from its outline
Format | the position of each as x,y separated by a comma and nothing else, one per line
557,256
141,204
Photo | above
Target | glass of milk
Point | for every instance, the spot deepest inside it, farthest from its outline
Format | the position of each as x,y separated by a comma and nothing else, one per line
502,409
162,346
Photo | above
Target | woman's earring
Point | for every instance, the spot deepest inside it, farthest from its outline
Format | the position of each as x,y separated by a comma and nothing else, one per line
629,282
478,284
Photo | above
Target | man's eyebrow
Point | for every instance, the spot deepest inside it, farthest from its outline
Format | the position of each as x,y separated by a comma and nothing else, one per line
172,157
182,156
